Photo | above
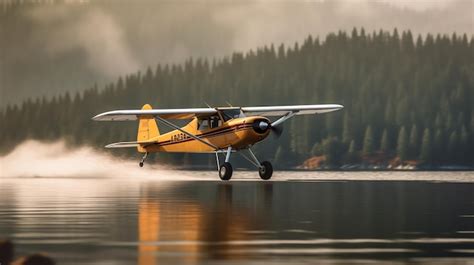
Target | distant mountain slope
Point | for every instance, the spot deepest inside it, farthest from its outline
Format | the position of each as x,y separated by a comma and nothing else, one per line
404,96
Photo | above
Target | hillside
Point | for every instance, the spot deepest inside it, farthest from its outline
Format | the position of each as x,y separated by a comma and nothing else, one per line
404,96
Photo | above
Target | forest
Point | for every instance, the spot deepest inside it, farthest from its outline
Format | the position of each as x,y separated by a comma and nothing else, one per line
405,97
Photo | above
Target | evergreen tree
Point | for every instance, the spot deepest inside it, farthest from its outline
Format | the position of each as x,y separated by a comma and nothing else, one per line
333,150
439,146
425,154
351,156
317,149
413,142
368,148
347,134
385,143
402,144
352,147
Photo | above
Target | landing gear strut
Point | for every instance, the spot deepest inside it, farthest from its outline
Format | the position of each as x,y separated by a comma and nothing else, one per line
225,170
143,159
265,169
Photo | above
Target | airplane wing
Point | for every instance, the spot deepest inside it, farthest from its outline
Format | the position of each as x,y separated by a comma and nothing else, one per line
174,114
189,113
296,109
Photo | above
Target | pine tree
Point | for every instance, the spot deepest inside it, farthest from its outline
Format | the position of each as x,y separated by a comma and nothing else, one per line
402,144
368,147
413,142
333,150
385,142
317,149
425,154
351,155
347,133
438,146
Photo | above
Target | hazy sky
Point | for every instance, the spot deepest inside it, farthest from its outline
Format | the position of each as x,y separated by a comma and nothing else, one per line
50,48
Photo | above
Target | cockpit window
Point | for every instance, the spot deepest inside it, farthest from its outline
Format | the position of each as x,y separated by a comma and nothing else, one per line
203,125
209,123
229,114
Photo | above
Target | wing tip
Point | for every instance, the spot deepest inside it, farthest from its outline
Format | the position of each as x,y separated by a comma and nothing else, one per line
96,117
101,116
115,115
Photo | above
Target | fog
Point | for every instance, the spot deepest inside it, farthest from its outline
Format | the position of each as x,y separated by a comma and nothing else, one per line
50,47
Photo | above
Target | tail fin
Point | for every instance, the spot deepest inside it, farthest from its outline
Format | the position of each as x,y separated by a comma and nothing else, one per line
147,128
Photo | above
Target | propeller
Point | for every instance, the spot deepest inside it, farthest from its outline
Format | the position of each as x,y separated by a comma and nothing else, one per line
262,126
277,130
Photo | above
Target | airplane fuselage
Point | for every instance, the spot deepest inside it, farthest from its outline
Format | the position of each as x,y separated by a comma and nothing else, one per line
237,133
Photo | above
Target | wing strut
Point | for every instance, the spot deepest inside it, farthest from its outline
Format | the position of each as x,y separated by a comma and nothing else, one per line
185,132
284,118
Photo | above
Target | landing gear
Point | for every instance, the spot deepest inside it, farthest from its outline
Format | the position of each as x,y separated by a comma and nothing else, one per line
225,171
143,159
265,170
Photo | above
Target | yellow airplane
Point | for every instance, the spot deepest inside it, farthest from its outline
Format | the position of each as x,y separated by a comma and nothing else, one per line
221,130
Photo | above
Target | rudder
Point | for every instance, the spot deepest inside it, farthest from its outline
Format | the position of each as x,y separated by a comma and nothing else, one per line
147,128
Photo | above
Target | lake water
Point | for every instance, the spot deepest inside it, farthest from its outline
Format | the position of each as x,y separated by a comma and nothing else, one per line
181,217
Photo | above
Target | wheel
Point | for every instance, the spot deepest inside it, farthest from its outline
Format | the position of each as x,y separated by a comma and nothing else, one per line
140,164
225,171
266,170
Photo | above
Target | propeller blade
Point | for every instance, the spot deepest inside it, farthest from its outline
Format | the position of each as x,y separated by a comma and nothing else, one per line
277,130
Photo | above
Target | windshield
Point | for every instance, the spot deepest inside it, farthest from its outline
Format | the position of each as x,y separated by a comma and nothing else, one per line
230,114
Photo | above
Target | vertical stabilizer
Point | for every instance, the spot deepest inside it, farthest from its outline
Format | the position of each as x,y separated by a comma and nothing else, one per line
147,128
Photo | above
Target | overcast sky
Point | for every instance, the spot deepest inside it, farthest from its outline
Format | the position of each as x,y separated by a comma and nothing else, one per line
49,49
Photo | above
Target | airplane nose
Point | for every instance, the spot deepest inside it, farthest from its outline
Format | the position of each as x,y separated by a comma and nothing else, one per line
263,125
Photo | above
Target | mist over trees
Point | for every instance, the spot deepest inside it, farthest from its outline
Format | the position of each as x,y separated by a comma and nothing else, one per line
54,46
404,96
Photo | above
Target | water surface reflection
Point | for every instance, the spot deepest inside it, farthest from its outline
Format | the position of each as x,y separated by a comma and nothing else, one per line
89,221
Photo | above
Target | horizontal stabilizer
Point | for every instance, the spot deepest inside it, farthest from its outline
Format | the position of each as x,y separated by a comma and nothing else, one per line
127,144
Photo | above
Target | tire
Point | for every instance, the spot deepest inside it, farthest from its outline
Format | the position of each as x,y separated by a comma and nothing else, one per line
140,164
225,171
266,170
